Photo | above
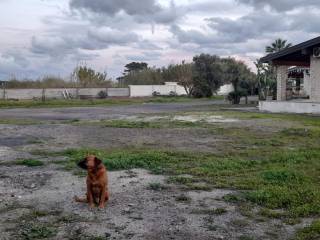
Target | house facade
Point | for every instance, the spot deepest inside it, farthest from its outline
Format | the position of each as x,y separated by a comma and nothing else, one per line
298,79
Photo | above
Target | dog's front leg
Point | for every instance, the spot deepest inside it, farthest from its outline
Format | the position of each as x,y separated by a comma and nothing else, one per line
90,196
102,199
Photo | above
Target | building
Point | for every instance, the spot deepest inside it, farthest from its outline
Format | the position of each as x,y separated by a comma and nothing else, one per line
298,79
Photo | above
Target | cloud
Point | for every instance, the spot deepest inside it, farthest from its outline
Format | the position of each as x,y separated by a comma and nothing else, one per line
111,33
226,35
59,45
283,5
144,57
143,11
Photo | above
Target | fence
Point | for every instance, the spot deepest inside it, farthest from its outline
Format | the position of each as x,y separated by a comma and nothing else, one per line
131,91
50,93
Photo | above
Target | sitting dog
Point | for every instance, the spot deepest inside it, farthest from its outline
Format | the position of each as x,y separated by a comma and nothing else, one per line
97,182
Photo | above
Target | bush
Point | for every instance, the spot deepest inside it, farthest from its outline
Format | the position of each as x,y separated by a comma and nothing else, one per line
173,94
102,94
156,94
235,96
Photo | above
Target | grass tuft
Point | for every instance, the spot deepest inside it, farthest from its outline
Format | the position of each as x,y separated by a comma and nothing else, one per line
214,211
311,232
30,162
156,186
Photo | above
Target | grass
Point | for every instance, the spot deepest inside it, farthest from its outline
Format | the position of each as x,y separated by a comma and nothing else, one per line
94,102
282,180
30,162
19,121
276,170
303,119
311,232
147,124
37,231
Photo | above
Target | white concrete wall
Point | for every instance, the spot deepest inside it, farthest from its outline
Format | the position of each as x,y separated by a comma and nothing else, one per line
132,91
225,89
91,91
25,94
289,107
118,92
147,90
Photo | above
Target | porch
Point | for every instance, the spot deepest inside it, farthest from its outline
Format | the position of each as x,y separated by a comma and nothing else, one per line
298,79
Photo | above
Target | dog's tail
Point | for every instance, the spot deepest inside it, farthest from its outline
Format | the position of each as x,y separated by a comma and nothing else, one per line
83,200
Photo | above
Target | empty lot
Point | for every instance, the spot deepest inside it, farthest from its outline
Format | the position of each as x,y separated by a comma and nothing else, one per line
193,170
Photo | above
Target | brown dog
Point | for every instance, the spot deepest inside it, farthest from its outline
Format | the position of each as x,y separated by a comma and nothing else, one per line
97,182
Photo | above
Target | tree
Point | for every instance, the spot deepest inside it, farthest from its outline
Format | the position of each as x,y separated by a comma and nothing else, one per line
278,45
185,76
267,82
146,76
87,77
237,73
134,67
181,73
207,77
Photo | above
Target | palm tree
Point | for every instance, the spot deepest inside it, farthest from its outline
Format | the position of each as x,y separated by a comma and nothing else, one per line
278,45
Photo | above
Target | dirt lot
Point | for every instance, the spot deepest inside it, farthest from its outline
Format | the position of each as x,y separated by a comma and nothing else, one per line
36,202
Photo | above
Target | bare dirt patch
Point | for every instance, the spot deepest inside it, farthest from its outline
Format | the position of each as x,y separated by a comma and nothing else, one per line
43,197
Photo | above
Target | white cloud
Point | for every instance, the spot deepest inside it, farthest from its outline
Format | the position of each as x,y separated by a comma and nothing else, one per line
51,36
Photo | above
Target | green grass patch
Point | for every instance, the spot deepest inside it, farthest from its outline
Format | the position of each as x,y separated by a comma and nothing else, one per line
303,119
37,231
281,180
18,121
130,124
148,124
311,232
92,102
30,162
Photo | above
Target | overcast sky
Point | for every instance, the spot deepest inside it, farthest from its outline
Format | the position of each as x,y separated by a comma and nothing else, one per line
44,37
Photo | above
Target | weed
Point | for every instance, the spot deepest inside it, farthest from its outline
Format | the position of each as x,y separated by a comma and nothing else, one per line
311,232
272,213
19,121
89,102
180,180
130,124
245,237
147,124
37,231
232,198
214,211
156,186
239,223
30,162
183,198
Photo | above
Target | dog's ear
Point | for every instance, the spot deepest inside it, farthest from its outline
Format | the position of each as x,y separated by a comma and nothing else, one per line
97,161
83,164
